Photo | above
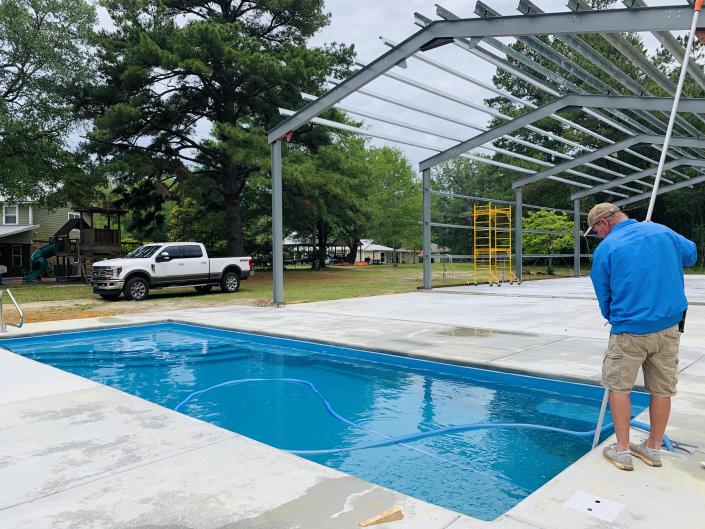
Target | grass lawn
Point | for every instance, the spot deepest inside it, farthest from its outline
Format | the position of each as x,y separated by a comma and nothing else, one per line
53,301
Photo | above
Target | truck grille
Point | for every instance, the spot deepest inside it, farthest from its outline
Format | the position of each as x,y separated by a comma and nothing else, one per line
102,272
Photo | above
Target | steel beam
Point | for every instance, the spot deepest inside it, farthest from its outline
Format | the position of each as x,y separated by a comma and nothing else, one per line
681,162
406,141
544,72
669,18
590,101
277,226
563,62
662,190
674,47
445,136
426,182
576,237
422,145
579,45
493,112
518,216
630,52
609,149
552,55
609,21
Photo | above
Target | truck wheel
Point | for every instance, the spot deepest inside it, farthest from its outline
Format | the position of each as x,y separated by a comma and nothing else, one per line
136,289
230,282
112,296
204,289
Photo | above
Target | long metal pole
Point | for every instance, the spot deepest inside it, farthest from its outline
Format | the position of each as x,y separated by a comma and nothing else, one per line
277,226
427,229
576,237
674,109
3,328
518,214
654,191
601,418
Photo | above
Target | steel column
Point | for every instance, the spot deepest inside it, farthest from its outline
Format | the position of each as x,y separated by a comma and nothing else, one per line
427,229
518,215
277,226
576,237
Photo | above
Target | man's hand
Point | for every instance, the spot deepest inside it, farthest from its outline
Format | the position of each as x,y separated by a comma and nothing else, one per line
700,35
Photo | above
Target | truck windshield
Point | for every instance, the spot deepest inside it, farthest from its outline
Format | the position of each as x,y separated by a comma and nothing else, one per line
144,251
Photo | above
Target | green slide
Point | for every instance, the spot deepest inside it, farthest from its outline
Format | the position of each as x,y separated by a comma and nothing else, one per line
39,263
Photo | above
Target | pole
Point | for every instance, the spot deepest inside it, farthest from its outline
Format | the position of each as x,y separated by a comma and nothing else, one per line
518,216
674,109
669,131
426,229
277,226
576,237
601,418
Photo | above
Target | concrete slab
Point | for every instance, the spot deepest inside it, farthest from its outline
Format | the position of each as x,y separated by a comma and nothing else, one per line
64,440
26,379
67,464
233,482
565,288
649,495
544,310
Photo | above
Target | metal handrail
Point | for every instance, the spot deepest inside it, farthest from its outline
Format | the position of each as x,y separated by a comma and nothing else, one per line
3,324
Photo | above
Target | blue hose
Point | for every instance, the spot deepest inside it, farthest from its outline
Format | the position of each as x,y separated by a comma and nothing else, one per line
409,437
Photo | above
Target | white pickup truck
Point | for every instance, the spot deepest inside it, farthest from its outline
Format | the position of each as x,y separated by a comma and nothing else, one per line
167,264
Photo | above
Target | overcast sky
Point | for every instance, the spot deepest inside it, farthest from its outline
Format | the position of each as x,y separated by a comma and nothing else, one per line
361,22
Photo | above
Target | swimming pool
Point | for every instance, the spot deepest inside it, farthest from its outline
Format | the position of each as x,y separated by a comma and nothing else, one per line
481,473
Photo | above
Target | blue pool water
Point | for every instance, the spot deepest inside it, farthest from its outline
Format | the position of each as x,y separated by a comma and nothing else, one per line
481,473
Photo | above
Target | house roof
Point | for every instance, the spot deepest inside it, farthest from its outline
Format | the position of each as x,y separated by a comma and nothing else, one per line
12,202
72,224
107,209
294,239
369,245
6,231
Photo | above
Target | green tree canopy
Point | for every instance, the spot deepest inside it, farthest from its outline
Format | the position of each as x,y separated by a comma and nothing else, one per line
470,178
350,190
547,243
189,87
45,58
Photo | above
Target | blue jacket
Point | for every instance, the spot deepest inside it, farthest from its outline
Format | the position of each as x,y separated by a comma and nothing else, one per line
637,273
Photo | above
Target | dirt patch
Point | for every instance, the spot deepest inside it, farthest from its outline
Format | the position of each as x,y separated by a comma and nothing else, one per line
79,309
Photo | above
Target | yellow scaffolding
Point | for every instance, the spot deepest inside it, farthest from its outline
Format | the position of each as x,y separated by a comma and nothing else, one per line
492,246
482,244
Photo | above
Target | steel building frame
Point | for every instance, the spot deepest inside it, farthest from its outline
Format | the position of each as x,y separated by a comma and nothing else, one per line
635,115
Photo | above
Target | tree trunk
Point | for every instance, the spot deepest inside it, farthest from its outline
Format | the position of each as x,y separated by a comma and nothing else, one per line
319,260
394,256
232,188
353,244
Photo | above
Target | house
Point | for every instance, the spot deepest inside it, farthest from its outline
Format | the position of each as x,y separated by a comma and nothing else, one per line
372,251
298,248
24,227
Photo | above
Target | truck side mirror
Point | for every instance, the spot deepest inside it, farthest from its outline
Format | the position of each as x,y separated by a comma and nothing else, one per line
164,256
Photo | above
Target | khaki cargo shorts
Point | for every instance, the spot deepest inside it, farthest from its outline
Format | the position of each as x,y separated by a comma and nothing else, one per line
656,353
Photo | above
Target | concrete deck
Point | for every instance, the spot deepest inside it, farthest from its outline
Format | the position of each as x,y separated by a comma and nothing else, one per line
76,454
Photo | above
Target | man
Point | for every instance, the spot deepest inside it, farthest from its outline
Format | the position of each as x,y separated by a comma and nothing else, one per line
637,273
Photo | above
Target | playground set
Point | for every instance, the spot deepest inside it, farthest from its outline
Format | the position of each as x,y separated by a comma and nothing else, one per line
78,244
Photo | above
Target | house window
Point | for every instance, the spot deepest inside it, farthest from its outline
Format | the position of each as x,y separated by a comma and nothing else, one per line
74,215
17,256
10,214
